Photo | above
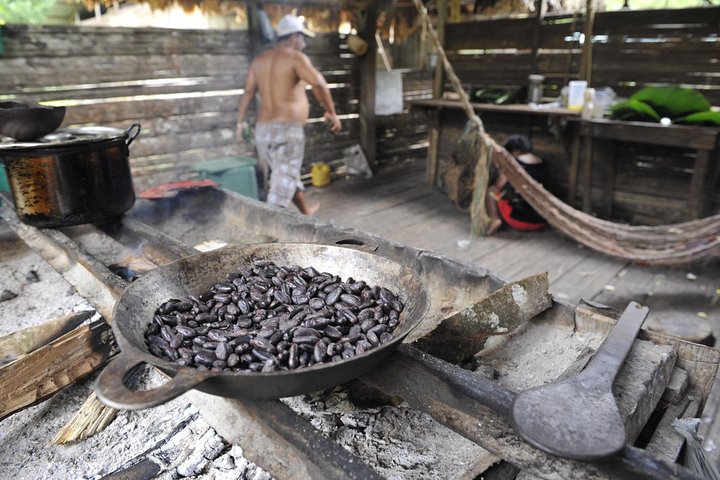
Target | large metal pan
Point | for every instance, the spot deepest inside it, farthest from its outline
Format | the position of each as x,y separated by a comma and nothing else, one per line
197,274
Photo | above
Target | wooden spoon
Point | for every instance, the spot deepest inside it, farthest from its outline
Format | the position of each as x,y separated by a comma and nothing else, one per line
578,417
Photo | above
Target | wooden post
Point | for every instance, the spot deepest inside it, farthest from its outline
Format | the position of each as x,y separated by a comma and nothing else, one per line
455,11
587,157
586,60
700,188
438,81
537,34
255,38
367,87
254,30
606,158
576,135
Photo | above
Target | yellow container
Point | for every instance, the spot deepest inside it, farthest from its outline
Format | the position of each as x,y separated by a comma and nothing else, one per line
320,174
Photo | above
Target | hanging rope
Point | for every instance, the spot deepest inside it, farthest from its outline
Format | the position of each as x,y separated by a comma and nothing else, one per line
681,243
474,135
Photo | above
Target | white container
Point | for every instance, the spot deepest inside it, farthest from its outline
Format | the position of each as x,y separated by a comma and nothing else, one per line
576,94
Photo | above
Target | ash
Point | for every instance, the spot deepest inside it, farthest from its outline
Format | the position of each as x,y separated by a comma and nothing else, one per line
173,441
397,442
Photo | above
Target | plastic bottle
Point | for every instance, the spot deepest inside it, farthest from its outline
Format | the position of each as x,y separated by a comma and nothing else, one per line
588,104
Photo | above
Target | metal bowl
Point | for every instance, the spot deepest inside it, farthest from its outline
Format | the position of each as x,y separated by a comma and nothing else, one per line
196,274
28,121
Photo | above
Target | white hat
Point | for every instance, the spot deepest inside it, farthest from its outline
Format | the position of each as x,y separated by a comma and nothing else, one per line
290,24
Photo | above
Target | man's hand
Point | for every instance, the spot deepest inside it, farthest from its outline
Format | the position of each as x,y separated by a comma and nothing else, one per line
335,125
239,132
243,132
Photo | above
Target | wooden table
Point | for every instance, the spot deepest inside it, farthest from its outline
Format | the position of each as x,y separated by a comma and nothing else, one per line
438,112
491,107
596,139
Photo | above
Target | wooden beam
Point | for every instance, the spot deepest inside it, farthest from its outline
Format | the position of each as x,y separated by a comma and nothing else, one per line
605,150
254,29
537,34
587,159
574,162
462,335
437,89
367,87
666,442
586,56
46,371
700,189
29,339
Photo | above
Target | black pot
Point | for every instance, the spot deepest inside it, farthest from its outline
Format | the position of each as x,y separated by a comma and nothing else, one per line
71,177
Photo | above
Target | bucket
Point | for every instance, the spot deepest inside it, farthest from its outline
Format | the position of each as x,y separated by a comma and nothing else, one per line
320,174
576,94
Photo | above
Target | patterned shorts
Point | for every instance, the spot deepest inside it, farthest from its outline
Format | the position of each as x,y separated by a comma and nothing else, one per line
281,147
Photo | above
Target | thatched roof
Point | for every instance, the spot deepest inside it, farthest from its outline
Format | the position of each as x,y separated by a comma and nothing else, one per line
220,6
400,16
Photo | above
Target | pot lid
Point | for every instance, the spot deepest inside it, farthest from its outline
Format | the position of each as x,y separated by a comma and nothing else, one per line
69,137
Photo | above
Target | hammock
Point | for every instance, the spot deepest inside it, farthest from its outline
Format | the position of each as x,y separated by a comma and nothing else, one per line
681,243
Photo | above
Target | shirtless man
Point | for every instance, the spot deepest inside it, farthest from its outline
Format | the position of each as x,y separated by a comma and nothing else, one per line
281,75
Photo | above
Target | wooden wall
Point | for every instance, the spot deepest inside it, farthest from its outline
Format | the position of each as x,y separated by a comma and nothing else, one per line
182,86
631,49
634,49
500,52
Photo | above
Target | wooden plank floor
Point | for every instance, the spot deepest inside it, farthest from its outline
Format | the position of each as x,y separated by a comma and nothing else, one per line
398,205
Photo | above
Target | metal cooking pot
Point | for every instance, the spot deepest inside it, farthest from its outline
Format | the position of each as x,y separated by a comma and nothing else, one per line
71,176
197,274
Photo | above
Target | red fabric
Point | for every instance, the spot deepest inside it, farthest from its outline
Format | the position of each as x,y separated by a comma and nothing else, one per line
505,210
169,190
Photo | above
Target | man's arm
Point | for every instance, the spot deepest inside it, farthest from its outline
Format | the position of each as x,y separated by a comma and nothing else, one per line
305,70
250,89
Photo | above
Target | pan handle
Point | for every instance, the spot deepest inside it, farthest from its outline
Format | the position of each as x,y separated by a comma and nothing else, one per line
113,392
132,133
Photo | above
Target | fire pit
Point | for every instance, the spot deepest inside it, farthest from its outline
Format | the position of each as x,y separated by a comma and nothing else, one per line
548,340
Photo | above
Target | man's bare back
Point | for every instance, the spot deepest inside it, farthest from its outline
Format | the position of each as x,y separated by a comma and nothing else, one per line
280,76
282,91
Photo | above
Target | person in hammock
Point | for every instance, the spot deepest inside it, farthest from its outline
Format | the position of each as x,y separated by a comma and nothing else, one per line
507,206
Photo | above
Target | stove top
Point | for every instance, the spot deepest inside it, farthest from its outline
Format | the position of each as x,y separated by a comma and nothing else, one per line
63,138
